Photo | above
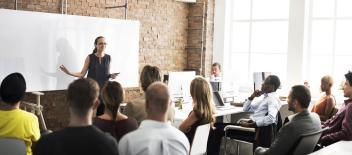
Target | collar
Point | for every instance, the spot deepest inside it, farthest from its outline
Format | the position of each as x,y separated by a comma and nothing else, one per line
348,101
153,124
272,94
298,115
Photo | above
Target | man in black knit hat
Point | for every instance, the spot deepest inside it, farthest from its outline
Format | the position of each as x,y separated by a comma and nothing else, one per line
14,122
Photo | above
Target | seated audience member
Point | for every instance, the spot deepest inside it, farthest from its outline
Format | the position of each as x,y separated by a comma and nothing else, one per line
14,122
136,108
80,137
339,127
202,112
155,136
303,122
112,121
265,110
324,106
216,73
264,115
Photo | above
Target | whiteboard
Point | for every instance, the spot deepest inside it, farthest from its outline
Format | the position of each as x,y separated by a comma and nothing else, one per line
36,44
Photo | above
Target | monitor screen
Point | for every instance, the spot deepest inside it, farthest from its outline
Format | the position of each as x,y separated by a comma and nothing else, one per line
179,83
218,99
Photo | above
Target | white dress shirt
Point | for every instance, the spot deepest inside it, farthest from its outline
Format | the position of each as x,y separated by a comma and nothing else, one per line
154,138
265,110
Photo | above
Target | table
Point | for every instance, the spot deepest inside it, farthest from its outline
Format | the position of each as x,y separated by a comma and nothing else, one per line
182,114
339,148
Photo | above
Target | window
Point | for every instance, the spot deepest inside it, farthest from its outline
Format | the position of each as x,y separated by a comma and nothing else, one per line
258,41
329,47
261,33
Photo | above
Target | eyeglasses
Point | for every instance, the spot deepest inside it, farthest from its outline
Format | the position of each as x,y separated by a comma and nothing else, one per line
102,43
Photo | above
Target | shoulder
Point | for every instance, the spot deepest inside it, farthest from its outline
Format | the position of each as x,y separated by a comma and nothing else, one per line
131,121
178,134
48,140
28,116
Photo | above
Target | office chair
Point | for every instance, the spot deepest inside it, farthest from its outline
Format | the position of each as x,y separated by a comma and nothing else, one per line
200,140
12,146
306,143
263,135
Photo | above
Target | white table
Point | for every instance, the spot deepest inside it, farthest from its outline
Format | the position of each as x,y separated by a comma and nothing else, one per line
182,114
339,148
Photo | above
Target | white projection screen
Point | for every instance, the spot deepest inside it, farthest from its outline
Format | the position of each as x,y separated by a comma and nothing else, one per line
36,44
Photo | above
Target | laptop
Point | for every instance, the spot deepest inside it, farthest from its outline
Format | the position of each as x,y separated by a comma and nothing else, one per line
218,99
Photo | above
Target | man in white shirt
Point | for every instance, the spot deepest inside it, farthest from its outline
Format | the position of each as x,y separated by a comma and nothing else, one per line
216,73
155,135
265,110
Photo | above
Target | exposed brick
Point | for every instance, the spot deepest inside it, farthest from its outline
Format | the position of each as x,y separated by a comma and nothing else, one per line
163,38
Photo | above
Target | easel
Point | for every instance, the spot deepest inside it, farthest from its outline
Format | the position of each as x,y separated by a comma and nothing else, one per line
37,109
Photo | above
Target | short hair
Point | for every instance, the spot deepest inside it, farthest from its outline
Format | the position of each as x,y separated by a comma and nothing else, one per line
82,94
302,94
216,64
149,75
13,88
157,98
274,80
112,95
348,77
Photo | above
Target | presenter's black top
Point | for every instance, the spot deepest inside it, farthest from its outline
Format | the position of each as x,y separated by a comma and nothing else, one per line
99,71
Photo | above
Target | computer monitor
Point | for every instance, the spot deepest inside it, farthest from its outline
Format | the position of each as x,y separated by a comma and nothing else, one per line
258,79
215,85
179,83
218,99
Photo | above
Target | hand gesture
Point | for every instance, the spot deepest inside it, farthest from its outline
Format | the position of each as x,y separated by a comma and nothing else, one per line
113,75
64,69
256,93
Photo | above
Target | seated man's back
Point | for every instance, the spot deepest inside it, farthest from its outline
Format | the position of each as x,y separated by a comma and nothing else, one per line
87,140
303,122
153,137
21,125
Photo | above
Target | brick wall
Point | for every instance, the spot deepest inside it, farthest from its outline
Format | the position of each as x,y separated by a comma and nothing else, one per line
200,36
163,39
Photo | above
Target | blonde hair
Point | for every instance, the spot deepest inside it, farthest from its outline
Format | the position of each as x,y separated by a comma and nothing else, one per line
201,93
328,80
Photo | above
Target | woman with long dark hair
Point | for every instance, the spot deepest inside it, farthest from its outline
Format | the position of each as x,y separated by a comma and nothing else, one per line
112,121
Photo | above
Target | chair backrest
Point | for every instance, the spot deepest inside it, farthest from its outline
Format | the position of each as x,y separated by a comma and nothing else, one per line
306,143
11,146
200,140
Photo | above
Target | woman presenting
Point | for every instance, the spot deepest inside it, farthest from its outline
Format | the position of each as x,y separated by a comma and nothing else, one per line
97,65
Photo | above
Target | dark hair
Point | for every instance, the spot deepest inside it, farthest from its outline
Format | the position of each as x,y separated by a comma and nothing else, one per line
149,75
216,64
112,95
81,95
275,81
348,77
302,94
13,88
157,98
95,44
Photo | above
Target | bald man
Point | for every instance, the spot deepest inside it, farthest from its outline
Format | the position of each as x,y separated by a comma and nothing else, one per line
155,135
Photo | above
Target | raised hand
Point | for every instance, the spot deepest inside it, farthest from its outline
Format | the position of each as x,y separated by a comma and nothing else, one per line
64,69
